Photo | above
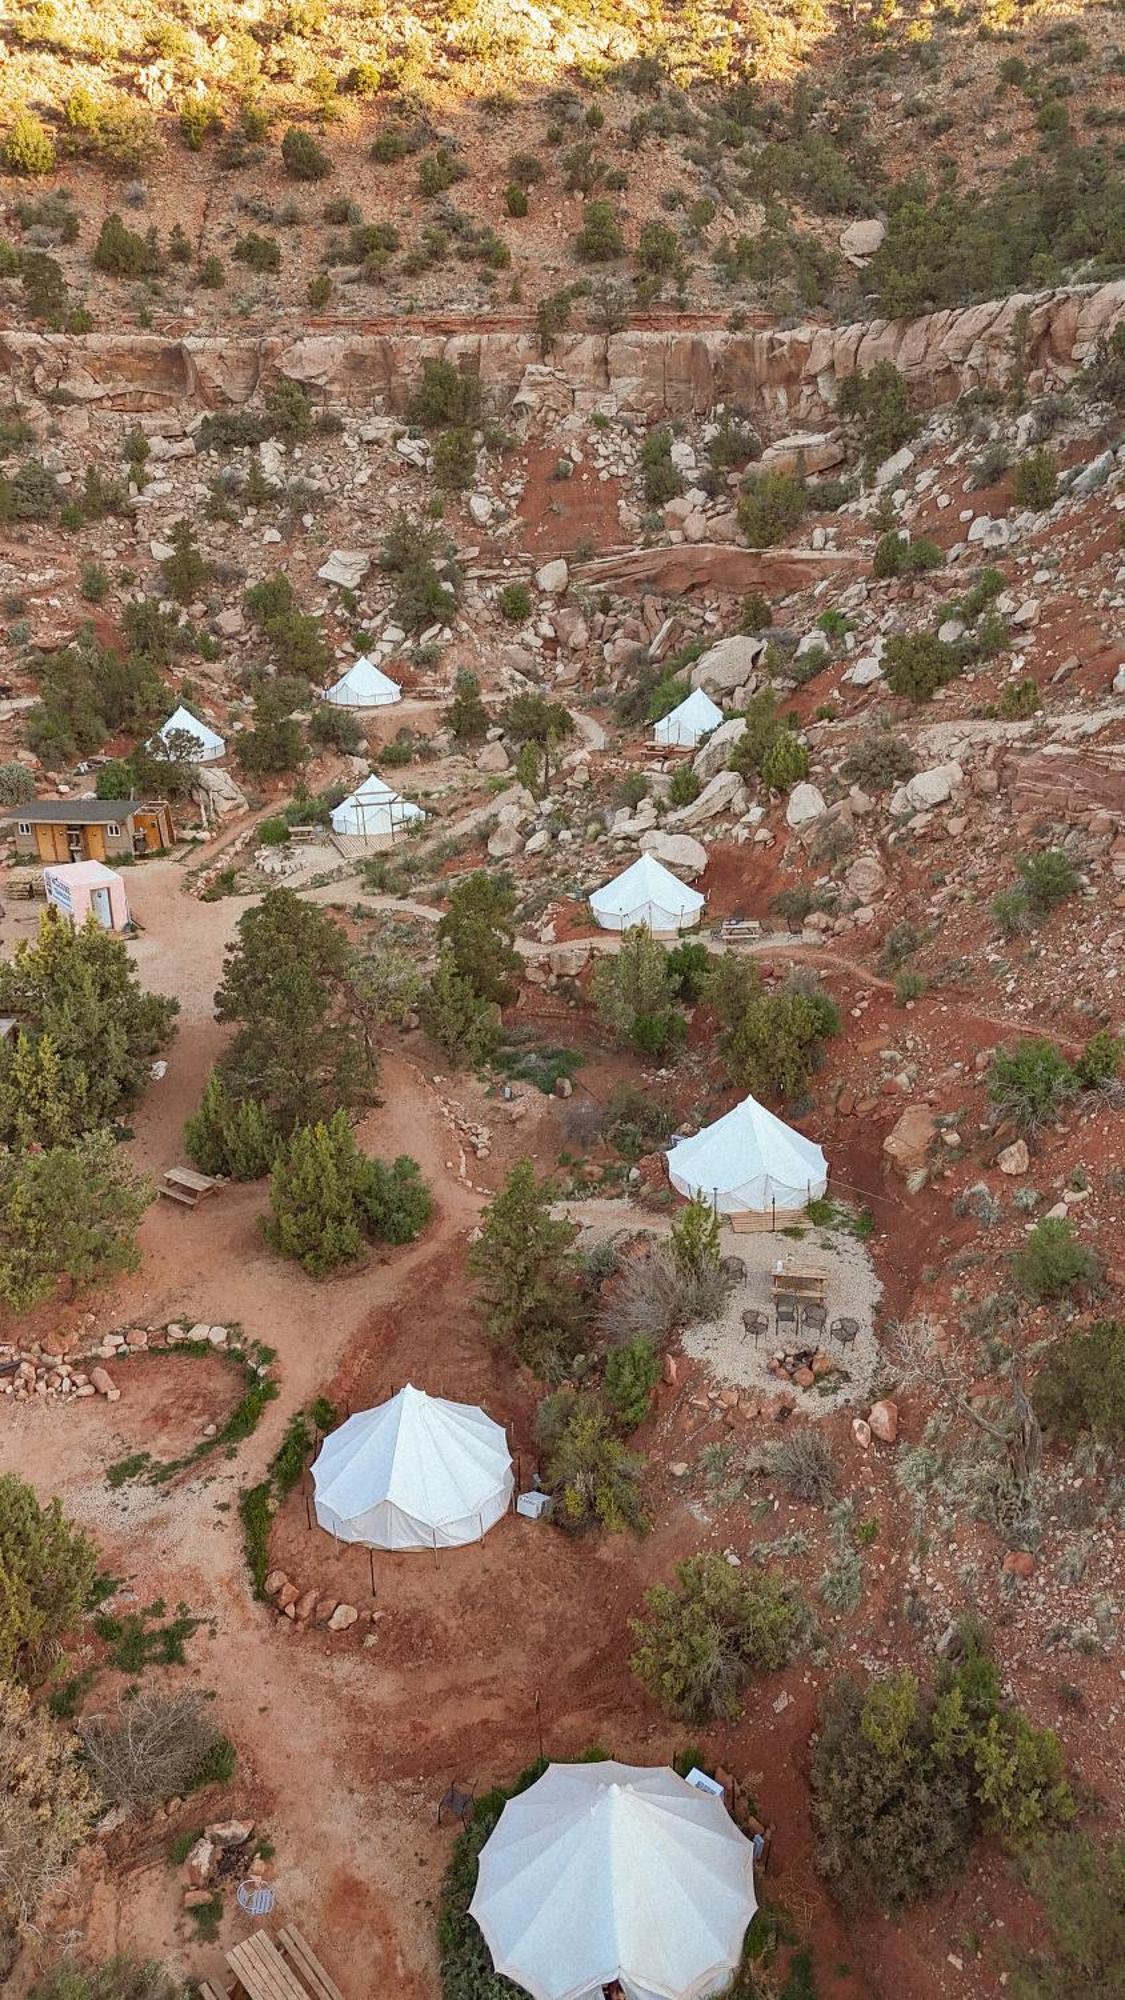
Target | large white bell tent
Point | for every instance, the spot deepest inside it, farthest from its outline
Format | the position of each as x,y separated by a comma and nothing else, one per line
603,1872
749,1162
363,686
647,893
184,734
373,812
415,1473
686,726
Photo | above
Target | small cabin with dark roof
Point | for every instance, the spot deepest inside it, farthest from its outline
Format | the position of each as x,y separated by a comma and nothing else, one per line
62,830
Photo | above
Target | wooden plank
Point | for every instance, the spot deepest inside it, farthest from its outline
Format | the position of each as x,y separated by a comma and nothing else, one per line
261,1969
209,1992
186,1177
308,1964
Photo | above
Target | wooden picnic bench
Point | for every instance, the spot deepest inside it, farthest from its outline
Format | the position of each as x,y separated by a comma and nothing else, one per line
184,1185
797,1281
263,1969
732,929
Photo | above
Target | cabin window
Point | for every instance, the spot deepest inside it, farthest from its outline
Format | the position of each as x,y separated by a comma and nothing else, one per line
23,826
112,827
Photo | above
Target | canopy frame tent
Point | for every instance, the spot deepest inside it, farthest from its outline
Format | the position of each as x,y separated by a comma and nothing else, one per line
416,1472
647,893
363,686
662,1876
752,1167
181,722
685,726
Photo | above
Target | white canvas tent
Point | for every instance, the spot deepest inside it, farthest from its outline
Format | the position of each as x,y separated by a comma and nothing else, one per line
374,811
415,1473
647,893
609,1871
749,1162
683,727
363,686
208,745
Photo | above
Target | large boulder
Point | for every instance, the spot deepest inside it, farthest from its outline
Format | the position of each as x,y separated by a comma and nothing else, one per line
216,793
553,577
928,789
724,793
714,755
804,451
860,240
907,1144
493,758
805,805
727,665
866,878
678,851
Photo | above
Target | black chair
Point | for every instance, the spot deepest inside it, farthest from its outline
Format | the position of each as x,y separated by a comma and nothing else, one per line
845,1331
458,1801
757,1323
814,1318
787,1312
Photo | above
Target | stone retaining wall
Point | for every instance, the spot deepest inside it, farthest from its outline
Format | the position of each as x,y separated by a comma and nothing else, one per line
784,376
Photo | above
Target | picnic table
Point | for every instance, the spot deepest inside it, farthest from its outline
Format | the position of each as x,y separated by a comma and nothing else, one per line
262,1971
806,1282
185,1185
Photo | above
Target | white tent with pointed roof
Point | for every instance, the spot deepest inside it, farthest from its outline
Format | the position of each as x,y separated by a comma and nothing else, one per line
415,1473
683,727
607,1871
749,1162
207,746
373,811
647,893
363,686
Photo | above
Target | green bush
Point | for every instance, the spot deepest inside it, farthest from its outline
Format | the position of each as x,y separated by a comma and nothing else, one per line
1081,1886
1100,1061
662,480
896,555
685,786
1052,1262
599,240
1036,478
445,396
659,248
47,1570
437,173
1048,878
231,1135
212,277
31,494
917,665
590,1473
325,1196
701,1641
455,460
1020,700
631,1374
456,1016
515,199
1031,1082
514,603
633,998
769,1042
879,761
785,763
771,506
29,148
258,253
467,718
302,157
123,253
199,118
1080,1388
878,405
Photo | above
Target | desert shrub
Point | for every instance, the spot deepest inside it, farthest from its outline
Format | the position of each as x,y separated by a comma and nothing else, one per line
29,148
455,460
652,1296
66,1211
689,966
17,784
45,1811
879,761
304,160
200,117
258,253
456,1016
630,1375
122,252
918,664
326,1196
466,718
661,477
591,1474
659,248
1052,1262
636,1121
685,786
47,1570
896,555
1031,1081
514,603
118,1978
155,1747
288,410
1100,1061
212,277
445,395
409,552
438,172
879,409
1035,480
231,1135
600,239
1020,700
30,494
479,929
526,1273
805,1462
516,203
1105,374
785,763
701,1641
771,506
394,1200
1082,1888
1048,878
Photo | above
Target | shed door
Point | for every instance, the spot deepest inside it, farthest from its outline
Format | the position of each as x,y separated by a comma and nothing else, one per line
102,908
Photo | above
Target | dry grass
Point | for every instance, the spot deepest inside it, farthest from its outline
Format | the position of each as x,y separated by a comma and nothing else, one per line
152,1748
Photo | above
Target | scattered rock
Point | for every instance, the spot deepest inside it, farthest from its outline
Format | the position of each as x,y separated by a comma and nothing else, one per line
343,1616
882,1418
1014,1159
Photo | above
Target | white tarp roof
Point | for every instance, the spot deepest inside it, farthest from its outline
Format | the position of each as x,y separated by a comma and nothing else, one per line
749,1160
183,722
415,1473
374,809
609,1871
363,686
695,718
646,893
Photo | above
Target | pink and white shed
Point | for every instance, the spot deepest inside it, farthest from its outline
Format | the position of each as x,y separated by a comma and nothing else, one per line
79,889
